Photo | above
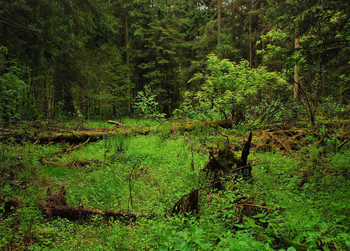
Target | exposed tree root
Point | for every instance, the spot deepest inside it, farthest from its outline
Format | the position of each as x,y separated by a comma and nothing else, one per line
187,204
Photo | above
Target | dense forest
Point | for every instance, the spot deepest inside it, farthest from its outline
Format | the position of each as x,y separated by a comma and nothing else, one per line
174,125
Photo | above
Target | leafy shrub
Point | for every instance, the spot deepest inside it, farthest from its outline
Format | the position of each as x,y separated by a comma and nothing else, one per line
12,90
230,89
147,105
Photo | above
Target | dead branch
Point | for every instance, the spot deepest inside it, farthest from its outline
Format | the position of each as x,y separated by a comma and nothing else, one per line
117,124
342,144
245,204
71,149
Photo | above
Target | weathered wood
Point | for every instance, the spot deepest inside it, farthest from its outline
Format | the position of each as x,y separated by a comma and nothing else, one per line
246,172
117,124
187,204
56,206
190,126
57,134
223,160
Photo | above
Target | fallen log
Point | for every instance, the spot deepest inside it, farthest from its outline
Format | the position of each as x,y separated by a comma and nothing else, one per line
57,134
82,214
56,206
61,135
190,126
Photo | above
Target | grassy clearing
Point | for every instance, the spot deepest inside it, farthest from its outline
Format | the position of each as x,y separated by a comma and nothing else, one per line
303,198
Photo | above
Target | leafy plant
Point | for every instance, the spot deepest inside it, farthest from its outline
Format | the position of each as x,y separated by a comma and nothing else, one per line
147,105
235,90
13,91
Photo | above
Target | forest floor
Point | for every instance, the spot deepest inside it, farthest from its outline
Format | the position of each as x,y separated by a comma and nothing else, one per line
175,185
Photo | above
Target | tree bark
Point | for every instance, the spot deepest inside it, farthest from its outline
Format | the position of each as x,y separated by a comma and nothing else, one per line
219,21
296,73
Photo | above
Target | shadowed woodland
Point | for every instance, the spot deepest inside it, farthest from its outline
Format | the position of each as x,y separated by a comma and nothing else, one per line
174,125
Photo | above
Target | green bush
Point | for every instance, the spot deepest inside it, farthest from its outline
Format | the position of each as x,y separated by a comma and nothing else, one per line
13,90
230,89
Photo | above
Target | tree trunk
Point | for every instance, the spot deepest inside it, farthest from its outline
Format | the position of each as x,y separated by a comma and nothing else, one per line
296,73
250,42
127,58
219,21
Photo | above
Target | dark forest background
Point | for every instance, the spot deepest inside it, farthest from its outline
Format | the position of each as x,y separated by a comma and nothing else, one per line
64,58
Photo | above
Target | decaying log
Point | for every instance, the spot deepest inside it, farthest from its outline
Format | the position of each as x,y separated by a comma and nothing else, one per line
190,126
284,140
57,134
56,206
71,136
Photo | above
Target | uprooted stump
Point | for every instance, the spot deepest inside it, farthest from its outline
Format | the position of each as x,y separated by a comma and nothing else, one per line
56,206
224,161
187,204
221,164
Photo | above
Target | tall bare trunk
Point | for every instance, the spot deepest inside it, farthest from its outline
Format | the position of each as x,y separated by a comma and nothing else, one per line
250,41
127,57
219,21
297,82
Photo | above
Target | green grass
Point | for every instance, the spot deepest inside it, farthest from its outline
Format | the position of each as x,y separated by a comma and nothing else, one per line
307,194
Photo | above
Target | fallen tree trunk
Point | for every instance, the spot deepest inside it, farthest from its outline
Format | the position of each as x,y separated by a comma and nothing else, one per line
190,126
56,206
56,134
83,214
71,136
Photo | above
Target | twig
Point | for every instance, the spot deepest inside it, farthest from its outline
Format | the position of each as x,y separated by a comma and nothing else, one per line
342,144
321,140
131,186
71,149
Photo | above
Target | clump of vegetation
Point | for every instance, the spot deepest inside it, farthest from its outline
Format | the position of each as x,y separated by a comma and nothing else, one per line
235,90
291,201
146,104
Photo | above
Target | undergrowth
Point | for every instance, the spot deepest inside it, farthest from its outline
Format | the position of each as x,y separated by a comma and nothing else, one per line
293,202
